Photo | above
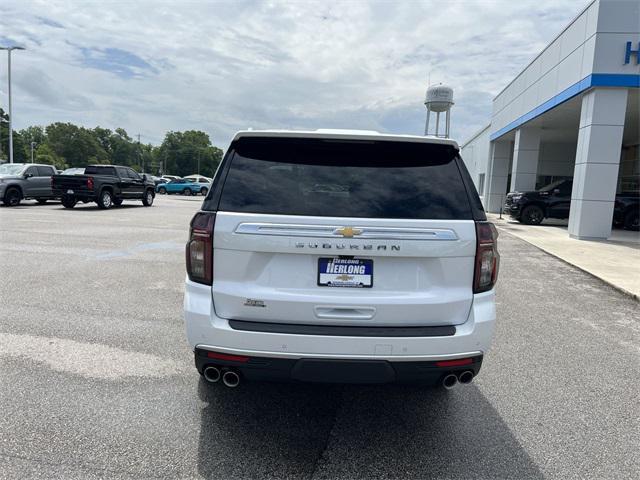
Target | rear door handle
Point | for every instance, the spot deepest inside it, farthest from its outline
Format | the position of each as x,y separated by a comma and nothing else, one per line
353,313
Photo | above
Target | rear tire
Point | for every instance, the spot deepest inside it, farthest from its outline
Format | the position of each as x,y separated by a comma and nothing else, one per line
105,200
41,201
147,200
204,191
69,201
187,192
162,191
12,197
532,215
631,220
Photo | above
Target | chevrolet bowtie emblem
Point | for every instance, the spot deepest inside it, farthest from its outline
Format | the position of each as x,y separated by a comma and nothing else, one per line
348,232
344,277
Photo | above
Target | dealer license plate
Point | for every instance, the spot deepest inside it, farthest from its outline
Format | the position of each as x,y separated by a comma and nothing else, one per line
345,272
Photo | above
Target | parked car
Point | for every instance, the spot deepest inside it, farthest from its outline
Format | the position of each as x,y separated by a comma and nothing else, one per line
554,201
72,171
26,181
388,275
107,185
170,177
626,210
198,178
183,186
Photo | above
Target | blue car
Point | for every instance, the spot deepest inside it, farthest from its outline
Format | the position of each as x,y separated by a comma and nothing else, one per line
182,186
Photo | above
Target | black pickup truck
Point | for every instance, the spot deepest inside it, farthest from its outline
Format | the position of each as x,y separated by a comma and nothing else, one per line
554,201
107,185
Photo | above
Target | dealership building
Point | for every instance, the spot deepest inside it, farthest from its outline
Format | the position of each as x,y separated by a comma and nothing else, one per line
573,112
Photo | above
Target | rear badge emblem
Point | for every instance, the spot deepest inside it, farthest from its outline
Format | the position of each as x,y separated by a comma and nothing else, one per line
348,232
250,302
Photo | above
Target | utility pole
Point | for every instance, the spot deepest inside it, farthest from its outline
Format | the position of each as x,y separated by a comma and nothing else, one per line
9,50
32,145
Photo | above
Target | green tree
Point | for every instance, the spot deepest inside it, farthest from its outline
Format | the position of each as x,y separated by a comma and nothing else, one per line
19,154
4,136
183,152
45,154
76,145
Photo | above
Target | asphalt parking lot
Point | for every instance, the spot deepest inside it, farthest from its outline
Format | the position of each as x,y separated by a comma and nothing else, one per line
97,380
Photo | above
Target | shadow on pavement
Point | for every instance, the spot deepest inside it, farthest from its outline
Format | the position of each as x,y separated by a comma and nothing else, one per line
299,431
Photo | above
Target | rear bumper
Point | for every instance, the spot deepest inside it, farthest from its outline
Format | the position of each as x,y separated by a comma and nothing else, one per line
336,370
282,351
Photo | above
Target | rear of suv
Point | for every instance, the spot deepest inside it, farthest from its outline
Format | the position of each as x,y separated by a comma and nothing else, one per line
340,256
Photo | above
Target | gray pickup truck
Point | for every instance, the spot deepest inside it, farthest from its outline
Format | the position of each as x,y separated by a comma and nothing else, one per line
23,181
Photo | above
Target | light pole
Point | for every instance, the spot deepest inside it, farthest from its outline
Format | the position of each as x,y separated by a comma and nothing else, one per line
9,50
33,144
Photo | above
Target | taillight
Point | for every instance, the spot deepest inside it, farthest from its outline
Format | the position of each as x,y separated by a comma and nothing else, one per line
199,250
90,183
455,363
230,358
487,257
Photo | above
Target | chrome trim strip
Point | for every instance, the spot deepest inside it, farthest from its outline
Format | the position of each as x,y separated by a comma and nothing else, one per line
292,355
331,231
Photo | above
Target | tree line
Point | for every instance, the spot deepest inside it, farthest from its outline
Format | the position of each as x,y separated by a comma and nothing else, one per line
67,145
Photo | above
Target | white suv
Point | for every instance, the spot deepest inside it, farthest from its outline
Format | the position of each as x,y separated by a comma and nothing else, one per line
340,256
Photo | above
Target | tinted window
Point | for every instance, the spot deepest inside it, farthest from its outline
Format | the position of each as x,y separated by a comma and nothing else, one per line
95,170
32,171
565,188
133,174
46,171
345,179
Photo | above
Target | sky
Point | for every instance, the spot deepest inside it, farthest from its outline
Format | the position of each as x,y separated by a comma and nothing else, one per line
152,67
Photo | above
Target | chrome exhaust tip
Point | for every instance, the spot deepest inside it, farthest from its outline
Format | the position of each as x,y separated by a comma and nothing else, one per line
231,379
449,381
466,377
211,374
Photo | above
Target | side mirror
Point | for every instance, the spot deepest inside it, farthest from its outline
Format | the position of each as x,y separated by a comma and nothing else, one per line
144,177
28,175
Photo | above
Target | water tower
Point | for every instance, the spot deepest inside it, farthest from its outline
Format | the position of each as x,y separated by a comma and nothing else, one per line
439,99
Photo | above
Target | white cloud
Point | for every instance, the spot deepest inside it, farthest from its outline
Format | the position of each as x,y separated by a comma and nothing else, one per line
151,67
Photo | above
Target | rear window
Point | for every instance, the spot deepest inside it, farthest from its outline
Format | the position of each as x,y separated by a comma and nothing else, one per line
95,170
345,179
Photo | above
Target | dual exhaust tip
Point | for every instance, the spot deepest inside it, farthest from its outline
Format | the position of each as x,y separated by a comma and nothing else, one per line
213,374
451,380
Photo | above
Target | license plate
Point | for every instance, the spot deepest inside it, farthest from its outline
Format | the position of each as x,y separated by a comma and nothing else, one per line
345,272
69,192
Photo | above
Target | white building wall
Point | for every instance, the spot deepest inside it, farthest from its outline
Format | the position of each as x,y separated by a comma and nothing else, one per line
593,43
618,22
475,154
557,159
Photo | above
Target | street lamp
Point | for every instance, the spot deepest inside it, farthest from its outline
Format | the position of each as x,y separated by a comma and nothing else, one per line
33,144
9,50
